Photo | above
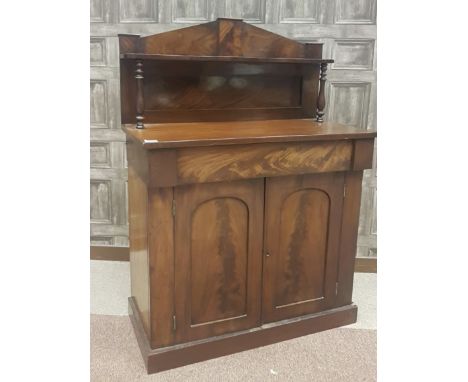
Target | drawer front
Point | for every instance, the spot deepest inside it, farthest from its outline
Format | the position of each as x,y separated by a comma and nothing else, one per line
214,164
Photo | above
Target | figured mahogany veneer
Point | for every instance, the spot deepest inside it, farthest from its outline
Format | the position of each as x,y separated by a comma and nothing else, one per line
164,135
219,71
243,205
211,152
197,165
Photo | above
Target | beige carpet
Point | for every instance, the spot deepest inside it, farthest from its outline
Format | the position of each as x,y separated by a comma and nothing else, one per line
343,354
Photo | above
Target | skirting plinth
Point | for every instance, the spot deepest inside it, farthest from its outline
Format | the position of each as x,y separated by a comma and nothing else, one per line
170,357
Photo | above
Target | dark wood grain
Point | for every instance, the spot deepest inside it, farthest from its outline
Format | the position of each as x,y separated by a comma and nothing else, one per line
157,360
107,253
301,252
199,40
167,69
219,250
302,229
162,271
163,168
224,91
216,115
140,334
138,235
168,135
218,258
313,50
128,43
237,38
363,154
173,167
243,210
211,164
223,37
128,90
348,241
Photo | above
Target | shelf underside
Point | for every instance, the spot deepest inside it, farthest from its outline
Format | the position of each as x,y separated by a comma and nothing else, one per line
260,60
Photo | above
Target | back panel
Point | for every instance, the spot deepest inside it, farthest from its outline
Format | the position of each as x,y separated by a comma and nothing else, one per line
197,91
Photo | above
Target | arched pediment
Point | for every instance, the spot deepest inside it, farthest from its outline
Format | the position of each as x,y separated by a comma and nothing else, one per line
223,37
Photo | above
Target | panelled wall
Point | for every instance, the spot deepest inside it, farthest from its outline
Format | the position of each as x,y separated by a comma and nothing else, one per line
346,27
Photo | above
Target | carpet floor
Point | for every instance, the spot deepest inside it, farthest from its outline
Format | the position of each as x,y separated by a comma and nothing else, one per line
337,355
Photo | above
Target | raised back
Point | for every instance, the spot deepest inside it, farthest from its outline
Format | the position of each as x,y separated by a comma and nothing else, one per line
222,70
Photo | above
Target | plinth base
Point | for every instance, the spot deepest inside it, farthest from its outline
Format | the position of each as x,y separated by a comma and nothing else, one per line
196,351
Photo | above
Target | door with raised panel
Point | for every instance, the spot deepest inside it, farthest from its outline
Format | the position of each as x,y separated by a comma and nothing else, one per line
218,258
302,233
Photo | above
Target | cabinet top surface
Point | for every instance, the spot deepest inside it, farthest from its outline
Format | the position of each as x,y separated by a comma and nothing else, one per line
173,135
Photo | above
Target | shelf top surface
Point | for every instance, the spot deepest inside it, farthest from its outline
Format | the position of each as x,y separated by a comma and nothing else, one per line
176,57
173,135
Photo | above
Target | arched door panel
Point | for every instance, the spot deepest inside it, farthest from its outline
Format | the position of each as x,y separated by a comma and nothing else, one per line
218,255
302,233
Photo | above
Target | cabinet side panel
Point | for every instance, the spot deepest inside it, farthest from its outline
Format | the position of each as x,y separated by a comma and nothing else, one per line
349,232
363,154
139,268
161,244
127,91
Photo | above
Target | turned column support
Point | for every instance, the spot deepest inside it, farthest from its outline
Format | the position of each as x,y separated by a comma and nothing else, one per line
321,95
140,104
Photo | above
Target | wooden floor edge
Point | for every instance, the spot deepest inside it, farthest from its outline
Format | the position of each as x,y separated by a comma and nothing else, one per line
101,252
170,357
363,264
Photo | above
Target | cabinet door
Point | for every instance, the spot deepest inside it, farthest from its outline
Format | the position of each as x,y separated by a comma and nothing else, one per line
302,233
218,258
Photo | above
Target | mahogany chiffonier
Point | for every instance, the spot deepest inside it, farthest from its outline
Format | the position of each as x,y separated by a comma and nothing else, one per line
243,203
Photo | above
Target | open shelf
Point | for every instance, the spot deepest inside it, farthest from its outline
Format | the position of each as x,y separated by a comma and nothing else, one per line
175,57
